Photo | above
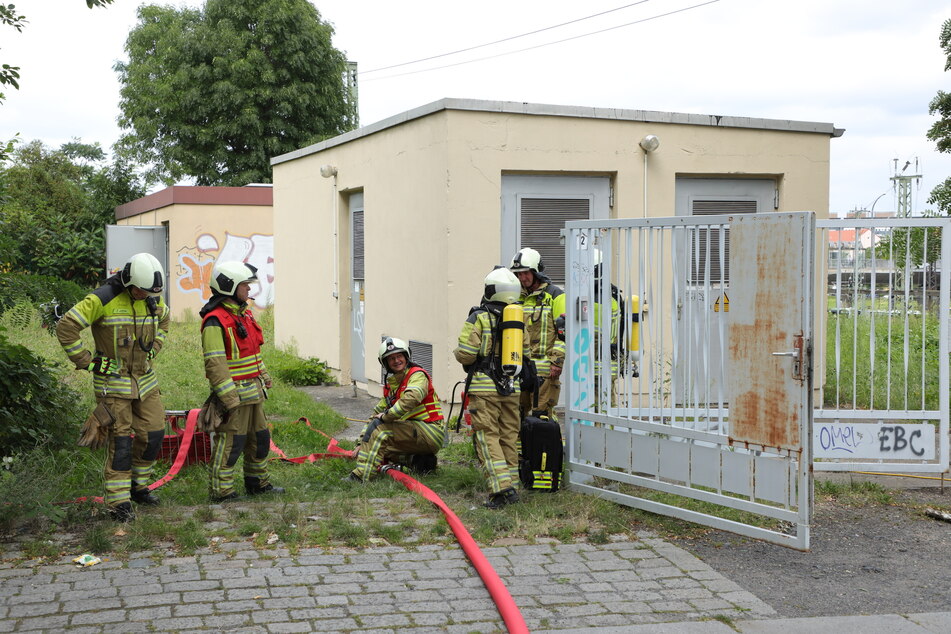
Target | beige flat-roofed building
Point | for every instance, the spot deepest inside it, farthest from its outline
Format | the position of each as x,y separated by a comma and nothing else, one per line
202,225
389,230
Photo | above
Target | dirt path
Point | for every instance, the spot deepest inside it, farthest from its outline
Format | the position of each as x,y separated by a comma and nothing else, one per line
871,559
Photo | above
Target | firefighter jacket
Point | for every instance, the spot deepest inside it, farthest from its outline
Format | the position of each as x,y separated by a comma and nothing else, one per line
409,396
231,340
479,346
558,308
123,329
546,348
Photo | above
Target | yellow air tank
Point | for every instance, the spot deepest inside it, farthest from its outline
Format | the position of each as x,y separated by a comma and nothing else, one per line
513,330
635,340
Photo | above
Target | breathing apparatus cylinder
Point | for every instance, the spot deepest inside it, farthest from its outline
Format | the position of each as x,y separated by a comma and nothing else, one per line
513,332
635,339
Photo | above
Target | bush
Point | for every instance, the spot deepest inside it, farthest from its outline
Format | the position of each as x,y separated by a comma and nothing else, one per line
51,295
35,406
305,372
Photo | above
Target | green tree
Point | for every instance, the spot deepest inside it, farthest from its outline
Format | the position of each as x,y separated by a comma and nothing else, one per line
54,205
940,132
212,94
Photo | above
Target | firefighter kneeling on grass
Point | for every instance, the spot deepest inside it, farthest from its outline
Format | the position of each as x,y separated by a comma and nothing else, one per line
491,384
129,323
407,426
231,340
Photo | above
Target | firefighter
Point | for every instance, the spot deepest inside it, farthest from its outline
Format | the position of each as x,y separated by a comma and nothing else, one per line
231,340
548,351
491,386
129,323
615,338
407,424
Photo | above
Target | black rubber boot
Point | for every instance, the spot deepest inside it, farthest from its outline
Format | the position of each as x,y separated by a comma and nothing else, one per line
230,497
423,462
144,496
502,498
122,512
252,486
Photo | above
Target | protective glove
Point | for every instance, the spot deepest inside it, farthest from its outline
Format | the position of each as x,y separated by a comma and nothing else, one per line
95,431
371,426
103,365
152,353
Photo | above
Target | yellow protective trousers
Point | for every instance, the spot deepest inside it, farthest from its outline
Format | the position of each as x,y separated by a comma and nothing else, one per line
129,460
548,394
389,440
495,428
245,432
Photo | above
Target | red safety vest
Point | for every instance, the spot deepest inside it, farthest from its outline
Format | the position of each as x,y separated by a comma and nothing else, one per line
430,402
245,361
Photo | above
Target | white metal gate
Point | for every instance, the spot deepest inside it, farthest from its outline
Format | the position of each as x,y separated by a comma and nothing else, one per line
882,362
687,388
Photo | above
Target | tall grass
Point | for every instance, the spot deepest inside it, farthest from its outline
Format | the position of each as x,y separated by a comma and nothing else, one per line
879,359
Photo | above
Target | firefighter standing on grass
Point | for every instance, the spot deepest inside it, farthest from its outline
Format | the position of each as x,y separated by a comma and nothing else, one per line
129,324
231,340
407,423
548,351
493,395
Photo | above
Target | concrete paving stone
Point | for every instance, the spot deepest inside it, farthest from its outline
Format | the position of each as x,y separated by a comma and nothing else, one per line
124,627
408,565
335,588
642,595
392,575
9,573
681,583
318,613
365,598
52,623
628,607
669,606
467,628
361,609
659,572
432,584
333,599
150,614
290,627
86,605
337,625
466,593
333,577
472,604
429,618
747,600
386,620
360,567
559,599
247,593
451,551
243,582
269,616
616,620
474,616
616,575
319,559
290,591
203,596
608,564
247,554
226,564
722,585
193,609
413,556
98,616
7,625
600,555
176,577
598,586
688,593
421,606
221,573
34,609
577,547
175,624
136,589
412,595
67,577
652,562
386,586
31,597
161,598
581,609
706,605
185,586
456,574
235,606
289,602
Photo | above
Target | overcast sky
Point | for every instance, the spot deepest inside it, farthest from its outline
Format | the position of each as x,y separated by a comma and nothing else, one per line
869,66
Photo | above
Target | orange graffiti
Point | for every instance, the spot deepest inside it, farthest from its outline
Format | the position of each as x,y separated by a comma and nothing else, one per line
198,277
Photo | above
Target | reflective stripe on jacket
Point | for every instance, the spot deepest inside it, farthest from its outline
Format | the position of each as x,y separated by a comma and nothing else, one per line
118,324
476,344
233,362
546,348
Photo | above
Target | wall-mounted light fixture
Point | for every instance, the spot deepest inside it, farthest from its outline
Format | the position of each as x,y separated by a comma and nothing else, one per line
649,143
328,170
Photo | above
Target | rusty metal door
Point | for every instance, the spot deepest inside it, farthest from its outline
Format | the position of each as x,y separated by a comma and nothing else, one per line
691,396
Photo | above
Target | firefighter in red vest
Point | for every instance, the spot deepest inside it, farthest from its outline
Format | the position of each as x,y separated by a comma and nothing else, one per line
231,340
407,424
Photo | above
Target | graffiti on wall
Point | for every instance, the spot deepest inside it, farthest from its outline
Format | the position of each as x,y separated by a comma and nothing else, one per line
195,263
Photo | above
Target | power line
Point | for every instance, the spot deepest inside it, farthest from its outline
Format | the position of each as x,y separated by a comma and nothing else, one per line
505,39
529,48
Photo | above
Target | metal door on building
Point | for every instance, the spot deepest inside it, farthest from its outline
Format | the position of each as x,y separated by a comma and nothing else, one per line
357,290
641,429
124,241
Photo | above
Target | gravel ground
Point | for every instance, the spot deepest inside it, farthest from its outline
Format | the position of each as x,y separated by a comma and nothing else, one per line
871,559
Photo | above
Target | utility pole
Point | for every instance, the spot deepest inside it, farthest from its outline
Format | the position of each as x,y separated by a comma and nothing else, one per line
902,185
